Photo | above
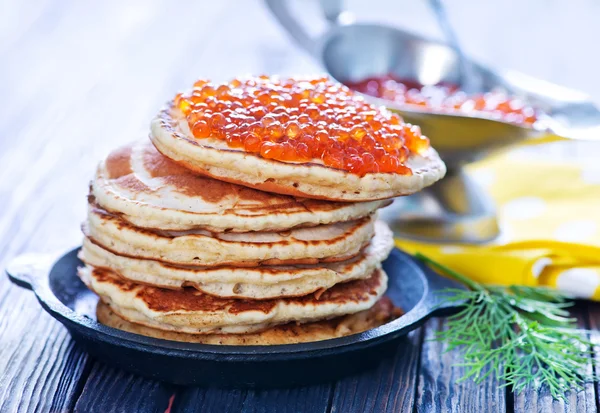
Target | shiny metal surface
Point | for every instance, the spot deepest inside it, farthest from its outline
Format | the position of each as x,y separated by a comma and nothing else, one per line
352,51
454,210
357,51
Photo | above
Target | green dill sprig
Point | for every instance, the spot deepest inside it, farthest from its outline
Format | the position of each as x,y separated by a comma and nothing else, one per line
523,335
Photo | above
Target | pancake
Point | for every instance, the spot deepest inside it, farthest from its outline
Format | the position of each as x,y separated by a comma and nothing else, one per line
333,242
151,191
190,311
382,312
214,158
261,282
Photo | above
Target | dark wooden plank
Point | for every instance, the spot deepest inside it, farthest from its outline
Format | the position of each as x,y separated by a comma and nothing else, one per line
72,379
532,400
388,388
309,399
208,400
439,389
41,368
113,390
33,378
593,323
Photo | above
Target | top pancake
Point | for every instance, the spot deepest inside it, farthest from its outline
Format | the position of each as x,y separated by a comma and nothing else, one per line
212,157
151,191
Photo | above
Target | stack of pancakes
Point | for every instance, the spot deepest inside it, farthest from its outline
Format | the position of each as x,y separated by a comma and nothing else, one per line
174,253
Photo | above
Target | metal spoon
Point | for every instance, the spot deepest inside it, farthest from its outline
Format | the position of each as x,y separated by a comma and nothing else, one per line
468,77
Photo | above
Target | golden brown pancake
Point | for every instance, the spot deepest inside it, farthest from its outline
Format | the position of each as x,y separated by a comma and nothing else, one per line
151,191
259,282
323,243
382,312
191,311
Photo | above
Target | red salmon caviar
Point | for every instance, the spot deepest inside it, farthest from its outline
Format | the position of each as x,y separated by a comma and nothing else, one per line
302,120
495,104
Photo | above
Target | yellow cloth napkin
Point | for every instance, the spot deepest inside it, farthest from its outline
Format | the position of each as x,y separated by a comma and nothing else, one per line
548,202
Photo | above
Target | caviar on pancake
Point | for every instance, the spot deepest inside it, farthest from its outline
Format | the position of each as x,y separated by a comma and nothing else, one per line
447,97
302,120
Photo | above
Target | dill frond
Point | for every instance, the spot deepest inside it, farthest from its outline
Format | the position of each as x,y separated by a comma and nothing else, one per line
523,335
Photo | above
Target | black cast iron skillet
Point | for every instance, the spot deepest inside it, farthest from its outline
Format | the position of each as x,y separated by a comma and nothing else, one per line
412,287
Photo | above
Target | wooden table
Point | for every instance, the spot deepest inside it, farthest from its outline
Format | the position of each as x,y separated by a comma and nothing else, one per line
78,78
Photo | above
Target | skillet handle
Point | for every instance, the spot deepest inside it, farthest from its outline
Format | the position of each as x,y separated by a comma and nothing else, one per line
435,301
332,10
24,270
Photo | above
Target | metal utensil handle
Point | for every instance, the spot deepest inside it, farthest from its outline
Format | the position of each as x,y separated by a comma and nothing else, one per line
24,270
572,114
467,75
281,10
541,91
